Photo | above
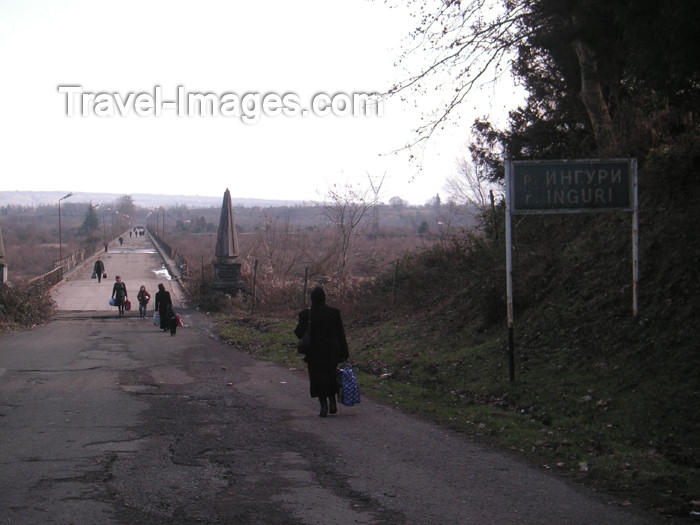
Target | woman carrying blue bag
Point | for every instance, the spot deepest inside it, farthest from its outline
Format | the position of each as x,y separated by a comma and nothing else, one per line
119,294
328,348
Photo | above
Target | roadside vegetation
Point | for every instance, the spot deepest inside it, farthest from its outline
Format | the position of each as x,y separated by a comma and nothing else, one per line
24,306
599,396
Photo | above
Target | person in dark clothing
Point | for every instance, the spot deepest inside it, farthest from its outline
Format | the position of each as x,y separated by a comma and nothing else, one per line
143,297
162,302
119,294
171,319
329,347
99,269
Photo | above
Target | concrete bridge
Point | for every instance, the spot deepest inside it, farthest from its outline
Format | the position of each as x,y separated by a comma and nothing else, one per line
138,262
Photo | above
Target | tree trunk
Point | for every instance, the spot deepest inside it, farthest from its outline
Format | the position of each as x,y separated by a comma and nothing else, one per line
592,97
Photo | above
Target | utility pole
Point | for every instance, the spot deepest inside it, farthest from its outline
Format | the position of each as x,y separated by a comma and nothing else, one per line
60,237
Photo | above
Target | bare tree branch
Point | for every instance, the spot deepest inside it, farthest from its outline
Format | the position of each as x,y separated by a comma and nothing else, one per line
470,43
345,208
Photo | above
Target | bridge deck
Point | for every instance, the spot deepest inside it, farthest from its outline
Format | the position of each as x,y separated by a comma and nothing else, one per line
137,262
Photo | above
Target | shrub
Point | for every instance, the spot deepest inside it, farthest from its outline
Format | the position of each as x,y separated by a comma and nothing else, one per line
24,305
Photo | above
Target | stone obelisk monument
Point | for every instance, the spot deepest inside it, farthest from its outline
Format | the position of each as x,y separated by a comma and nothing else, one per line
227,269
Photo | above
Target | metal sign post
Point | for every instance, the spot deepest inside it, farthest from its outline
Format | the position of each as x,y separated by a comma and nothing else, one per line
635,238
509,278
569,186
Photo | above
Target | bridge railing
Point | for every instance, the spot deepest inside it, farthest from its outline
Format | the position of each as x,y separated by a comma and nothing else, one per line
178,259
49,279
74,259
63,266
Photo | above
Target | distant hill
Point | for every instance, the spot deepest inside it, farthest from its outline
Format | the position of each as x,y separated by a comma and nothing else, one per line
37,198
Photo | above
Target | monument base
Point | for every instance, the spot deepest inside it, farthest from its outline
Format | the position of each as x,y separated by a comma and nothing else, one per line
227,278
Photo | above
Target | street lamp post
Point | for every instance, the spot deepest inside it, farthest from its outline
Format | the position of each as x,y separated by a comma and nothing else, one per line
104,224
90,216
60,236
155,221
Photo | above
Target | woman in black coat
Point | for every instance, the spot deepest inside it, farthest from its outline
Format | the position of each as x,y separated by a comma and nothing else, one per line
162,302
328,348
99,269
119,294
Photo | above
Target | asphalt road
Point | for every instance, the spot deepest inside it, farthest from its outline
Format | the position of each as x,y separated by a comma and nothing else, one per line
108,420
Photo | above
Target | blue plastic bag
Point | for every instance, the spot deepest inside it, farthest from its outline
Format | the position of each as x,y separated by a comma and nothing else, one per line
349,388
112,302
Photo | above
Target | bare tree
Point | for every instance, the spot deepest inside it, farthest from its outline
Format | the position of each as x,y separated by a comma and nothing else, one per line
276,248
469,189
467,44
125,205
459,46
320,252
397,203
345,208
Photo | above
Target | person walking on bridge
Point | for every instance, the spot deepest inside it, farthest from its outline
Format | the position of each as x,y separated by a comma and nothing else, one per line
163,300
119,294
99,269
143,298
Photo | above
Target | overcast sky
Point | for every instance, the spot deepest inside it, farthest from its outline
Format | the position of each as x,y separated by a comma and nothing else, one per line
220,47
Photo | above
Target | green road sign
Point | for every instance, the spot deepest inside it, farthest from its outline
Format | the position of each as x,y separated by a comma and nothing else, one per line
571,186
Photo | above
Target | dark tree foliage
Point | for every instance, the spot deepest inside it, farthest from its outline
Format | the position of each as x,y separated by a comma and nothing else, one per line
92,223
639,55
604,78
663,49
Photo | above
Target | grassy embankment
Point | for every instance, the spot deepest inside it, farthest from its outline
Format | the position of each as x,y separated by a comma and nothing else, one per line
599,395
